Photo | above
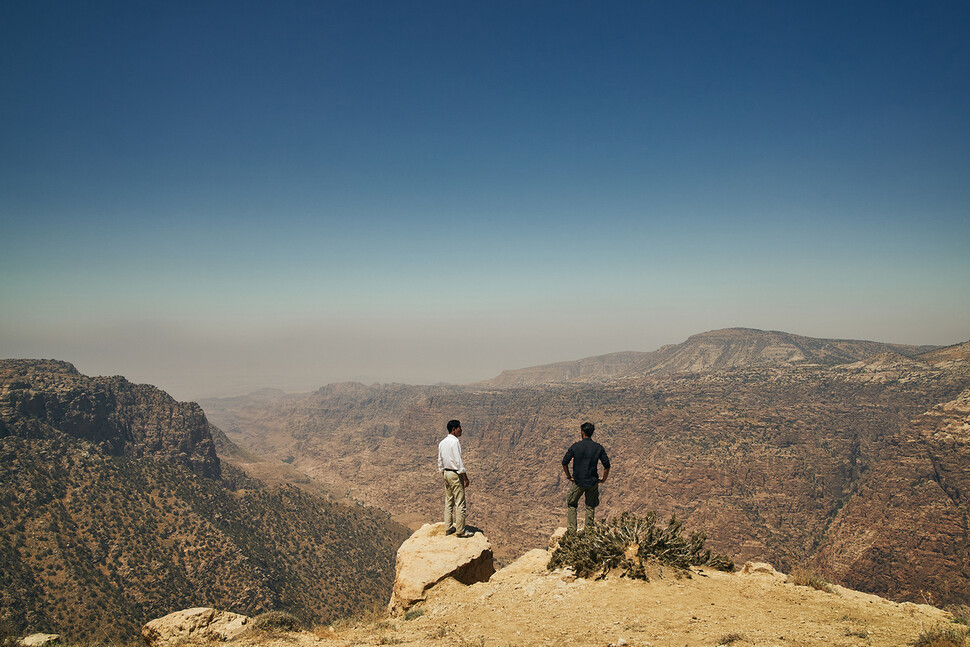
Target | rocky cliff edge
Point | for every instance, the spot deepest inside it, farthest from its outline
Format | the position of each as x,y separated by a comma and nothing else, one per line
527,604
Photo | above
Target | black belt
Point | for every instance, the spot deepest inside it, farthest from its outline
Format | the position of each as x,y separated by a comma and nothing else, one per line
451,470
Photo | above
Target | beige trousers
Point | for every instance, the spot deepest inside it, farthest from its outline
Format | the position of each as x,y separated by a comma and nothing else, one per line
454,502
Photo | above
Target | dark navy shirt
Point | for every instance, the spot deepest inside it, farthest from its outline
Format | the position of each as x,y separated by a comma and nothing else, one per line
586,454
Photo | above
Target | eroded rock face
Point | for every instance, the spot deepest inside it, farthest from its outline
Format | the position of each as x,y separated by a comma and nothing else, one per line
429,556
42,398
200,623
903,532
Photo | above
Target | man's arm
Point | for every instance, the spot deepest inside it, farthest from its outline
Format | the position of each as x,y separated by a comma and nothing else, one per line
565,468
464,479
606,473
565,463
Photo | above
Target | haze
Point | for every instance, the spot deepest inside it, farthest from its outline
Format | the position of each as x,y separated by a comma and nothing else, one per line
215,197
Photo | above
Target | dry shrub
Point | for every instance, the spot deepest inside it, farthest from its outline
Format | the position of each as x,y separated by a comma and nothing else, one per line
802,576
961,614
631,544
943,637
277,621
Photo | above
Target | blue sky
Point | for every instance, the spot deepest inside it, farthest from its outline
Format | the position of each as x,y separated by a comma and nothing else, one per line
218,196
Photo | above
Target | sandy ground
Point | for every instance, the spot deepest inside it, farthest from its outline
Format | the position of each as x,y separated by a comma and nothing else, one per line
524,604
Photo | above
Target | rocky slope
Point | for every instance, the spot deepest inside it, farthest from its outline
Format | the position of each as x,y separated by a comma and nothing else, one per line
786,462
115,509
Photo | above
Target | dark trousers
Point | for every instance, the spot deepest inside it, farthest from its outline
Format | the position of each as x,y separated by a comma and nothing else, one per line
572,503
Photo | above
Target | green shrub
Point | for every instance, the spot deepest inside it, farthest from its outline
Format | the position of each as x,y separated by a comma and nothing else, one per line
631,544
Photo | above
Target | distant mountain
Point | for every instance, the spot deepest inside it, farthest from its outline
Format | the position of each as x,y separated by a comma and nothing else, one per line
115,509
729,348
779,447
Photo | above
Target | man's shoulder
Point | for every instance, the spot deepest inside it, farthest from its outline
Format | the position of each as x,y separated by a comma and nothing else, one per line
595,445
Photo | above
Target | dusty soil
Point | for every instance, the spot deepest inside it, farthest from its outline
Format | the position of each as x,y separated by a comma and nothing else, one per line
524,604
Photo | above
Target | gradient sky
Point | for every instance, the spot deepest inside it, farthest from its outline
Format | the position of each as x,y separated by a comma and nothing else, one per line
219,196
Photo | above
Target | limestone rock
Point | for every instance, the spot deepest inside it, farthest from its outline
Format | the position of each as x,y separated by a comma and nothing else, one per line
531,563
200,623
556,538
40,640
761,568
429,556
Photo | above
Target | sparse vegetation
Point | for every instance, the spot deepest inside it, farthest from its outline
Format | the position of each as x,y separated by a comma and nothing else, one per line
731,638
943,637
802,576
961,614
440,632
69,512
631,544
9,633
411,614
277,621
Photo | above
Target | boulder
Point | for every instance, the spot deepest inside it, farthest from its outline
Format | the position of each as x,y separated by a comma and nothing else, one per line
40,640
761,568
532,562
430,556
200,623
556,538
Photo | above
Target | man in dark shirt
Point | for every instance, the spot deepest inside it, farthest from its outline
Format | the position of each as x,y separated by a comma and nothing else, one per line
585,454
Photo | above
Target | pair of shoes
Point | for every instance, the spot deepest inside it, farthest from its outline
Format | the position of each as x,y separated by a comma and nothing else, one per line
450,531
464,534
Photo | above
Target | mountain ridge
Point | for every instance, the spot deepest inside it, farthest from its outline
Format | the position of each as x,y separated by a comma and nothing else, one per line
713,350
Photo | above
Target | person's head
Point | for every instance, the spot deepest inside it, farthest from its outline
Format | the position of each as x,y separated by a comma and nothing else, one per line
454,427
587,428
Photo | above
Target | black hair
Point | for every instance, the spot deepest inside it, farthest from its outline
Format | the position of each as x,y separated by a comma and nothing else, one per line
587,428
452,425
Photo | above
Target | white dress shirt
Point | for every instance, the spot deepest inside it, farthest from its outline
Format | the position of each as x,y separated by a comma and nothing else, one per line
449,455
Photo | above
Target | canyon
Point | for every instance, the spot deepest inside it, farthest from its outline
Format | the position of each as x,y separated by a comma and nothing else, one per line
844,456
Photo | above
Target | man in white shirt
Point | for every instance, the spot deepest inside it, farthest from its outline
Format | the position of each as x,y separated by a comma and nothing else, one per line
456,480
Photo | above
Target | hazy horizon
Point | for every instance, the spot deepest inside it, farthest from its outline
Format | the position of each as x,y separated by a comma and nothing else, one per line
215,197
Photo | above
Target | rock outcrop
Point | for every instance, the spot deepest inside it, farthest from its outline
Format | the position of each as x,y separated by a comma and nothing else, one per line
200,623
40,640
761,568
430,556
45,398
